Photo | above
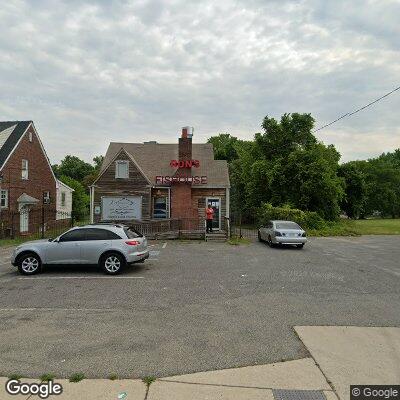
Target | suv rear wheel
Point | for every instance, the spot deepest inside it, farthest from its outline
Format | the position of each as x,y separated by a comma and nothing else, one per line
112,263
29,264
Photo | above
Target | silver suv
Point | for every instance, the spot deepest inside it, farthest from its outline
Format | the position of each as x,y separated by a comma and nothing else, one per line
110,246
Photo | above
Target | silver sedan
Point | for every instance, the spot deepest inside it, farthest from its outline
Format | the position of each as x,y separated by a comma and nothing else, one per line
282,232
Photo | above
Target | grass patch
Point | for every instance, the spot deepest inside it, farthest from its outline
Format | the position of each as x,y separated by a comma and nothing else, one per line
14,242
15,376
358,227
236,241
77,377
378,226
339,228
148,380
47,377
113,377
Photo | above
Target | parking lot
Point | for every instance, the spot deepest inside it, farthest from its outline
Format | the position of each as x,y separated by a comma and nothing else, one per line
193,306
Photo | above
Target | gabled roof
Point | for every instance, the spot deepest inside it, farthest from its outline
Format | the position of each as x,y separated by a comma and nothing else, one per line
58,183
26,199
10,134
154,160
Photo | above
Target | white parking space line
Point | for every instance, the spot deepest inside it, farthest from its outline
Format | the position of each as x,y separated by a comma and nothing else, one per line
81,277
164,245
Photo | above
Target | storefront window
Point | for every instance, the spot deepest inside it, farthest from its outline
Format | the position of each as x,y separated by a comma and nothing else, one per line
160,209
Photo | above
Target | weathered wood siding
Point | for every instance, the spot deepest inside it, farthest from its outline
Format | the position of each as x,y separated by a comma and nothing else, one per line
135,185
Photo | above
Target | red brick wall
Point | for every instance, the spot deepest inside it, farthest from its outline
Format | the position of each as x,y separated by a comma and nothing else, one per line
181,201
185,148
40,177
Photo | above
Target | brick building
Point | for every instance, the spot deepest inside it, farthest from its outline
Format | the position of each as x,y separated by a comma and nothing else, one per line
155,181
27,182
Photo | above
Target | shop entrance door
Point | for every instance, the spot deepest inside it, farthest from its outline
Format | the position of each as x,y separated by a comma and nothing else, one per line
216,205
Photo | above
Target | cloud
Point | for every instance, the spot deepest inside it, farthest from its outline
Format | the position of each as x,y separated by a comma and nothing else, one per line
93,72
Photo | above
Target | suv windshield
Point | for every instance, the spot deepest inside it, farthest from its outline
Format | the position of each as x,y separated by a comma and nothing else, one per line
287,225
132,233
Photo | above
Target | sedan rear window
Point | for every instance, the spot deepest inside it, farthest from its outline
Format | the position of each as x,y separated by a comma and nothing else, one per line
132,233
287,225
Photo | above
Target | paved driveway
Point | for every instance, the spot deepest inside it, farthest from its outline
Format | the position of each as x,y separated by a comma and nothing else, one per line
194,306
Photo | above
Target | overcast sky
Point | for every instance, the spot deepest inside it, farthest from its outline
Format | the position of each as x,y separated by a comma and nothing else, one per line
88,73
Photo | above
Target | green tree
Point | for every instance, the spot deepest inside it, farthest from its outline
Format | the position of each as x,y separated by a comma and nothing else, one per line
353,202
80,199
98,160
224,146
89,179
308,180
383,187
73,167
284,165
279,139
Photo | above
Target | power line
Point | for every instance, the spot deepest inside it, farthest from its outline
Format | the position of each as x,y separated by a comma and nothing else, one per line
356,111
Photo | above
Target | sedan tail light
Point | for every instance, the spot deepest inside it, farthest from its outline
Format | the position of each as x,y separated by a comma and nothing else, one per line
304,234
132,242
278,234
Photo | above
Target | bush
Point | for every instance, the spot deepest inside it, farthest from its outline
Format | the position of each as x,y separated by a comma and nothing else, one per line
306,219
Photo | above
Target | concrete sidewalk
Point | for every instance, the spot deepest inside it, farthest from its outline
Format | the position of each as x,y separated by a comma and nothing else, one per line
256,382
350,355
340,355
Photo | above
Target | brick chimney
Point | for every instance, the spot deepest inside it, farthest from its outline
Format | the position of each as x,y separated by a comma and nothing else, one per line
185,144
181,193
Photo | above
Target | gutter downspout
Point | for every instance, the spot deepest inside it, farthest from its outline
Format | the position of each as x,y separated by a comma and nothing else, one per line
227,213
91,204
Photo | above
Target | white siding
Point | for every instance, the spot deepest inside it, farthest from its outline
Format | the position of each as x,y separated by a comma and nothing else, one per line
64,211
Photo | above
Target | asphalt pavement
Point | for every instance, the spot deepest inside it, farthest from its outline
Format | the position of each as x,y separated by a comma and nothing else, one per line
193,306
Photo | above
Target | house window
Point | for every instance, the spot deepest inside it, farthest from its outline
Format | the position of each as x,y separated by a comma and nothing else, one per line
122,169
63,199
160,209
3,198
25,173
30,136
46,197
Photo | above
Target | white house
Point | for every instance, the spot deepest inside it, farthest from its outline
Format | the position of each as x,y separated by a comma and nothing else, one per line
64,200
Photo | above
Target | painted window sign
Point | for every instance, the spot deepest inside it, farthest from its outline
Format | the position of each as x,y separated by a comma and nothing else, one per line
121,208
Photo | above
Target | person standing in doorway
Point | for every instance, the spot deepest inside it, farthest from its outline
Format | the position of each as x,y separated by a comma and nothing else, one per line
209,218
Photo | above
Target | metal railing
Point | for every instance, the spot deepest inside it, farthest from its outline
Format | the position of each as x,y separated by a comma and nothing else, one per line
36,223
170,228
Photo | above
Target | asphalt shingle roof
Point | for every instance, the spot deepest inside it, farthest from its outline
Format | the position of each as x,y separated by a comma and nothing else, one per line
9,137
154,159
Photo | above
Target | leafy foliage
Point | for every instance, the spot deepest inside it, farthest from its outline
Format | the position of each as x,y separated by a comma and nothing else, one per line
353,203
79,175
224,147
306,219
73,167
285,164
80,199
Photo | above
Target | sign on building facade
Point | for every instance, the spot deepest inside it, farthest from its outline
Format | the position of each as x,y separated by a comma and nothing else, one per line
121,208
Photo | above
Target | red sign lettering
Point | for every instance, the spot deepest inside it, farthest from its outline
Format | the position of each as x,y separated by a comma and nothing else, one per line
184,163
168,180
